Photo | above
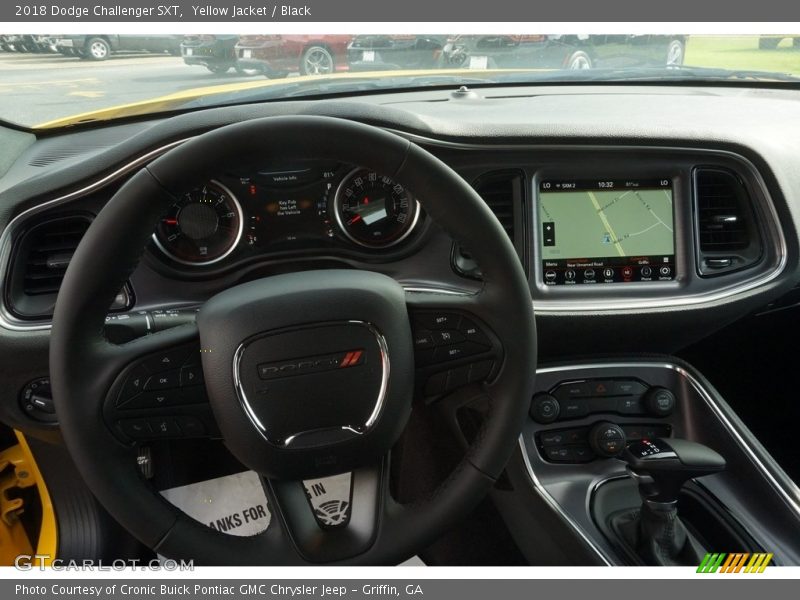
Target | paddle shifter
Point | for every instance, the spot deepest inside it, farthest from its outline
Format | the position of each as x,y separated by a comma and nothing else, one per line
661,467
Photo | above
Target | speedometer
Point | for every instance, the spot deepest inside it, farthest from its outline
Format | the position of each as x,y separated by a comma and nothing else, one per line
202,227
373,210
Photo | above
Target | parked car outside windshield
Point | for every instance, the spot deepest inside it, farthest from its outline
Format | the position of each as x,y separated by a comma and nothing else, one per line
55,80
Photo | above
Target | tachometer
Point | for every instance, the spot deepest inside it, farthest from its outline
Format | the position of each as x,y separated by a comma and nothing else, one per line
373,210
202,227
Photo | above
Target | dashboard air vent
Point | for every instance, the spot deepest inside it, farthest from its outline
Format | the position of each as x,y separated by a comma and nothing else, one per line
727,234
50,249
721,206
38,263
503,193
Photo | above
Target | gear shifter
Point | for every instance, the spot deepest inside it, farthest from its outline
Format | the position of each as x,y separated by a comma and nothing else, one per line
661,467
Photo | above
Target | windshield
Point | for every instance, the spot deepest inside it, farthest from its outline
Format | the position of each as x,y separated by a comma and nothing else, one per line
59,80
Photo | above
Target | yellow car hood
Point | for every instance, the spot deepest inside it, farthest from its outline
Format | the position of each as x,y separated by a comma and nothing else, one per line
177,100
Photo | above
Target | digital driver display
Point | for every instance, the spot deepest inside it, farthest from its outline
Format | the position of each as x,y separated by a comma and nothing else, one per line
606,231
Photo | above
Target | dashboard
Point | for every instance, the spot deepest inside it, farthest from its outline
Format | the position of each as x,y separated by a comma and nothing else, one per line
643,231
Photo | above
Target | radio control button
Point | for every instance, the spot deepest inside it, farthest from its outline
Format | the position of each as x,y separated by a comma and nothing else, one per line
544,408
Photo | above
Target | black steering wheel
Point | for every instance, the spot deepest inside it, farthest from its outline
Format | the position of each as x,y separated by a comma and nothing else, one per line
293,428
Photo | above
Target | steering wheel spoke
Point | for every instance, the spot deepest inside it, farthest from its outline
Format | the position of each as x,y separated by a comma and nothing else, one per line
322,533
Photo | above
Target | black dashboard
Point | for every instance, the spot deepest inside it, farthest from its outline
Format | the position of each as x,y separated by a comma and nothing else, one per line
641,231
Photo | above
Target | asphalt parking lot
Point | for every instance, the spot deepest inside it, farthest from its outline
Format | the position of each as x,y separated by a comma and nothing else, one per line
35,88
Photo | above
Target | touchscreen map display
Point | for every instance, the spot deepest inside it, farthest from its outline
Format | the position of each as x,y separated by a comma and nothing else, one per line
606,231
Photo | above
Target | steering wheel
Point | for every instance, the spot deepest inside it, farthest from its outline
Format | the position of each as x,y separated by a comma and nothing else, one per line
292,428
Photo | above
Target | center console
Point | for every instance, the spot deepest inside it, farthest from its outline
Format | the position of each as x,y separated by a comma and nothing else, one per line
584,416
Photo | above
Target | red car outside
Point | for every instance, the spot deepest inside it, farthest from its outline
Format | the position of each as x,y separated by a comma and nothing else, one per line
278,55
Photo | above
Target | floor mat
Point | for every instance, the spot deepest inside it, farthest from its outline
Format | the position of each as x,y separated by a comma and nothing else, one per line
237,505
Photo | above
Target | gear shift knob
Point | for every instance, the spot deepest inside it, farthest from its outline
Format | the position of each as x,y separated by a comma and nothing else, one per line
661,467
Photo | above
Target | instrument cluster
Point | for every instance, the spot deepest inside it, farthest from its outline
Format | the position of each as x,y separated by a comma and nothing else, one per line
310,206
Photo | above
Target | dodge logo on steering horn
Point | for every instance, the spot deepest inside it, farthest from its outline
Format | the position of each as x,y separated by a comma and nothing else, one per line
311,364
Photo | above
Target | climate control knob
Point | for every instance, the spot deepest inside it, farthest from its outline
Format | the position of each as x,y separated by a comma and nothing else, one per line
607,439
659,402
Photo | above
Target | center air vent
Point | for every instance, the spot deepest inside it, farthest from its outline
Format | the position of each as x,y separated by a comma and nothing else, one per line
503,193
727,234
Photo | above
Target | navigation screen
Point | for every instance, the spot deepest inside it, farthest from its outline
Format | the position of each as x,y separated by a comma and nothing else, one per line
606,231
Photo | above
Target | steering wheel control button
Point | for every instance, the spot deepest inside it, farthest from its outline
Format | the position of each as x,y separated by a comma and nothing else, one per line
162,381
459,350
480,371
436,384
191,426
607,439
447,337
167,360
544,409
423,339
659,402
473,333
164,427
137,429
459,377
154,400
191,375
447,381
134,384
437,321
